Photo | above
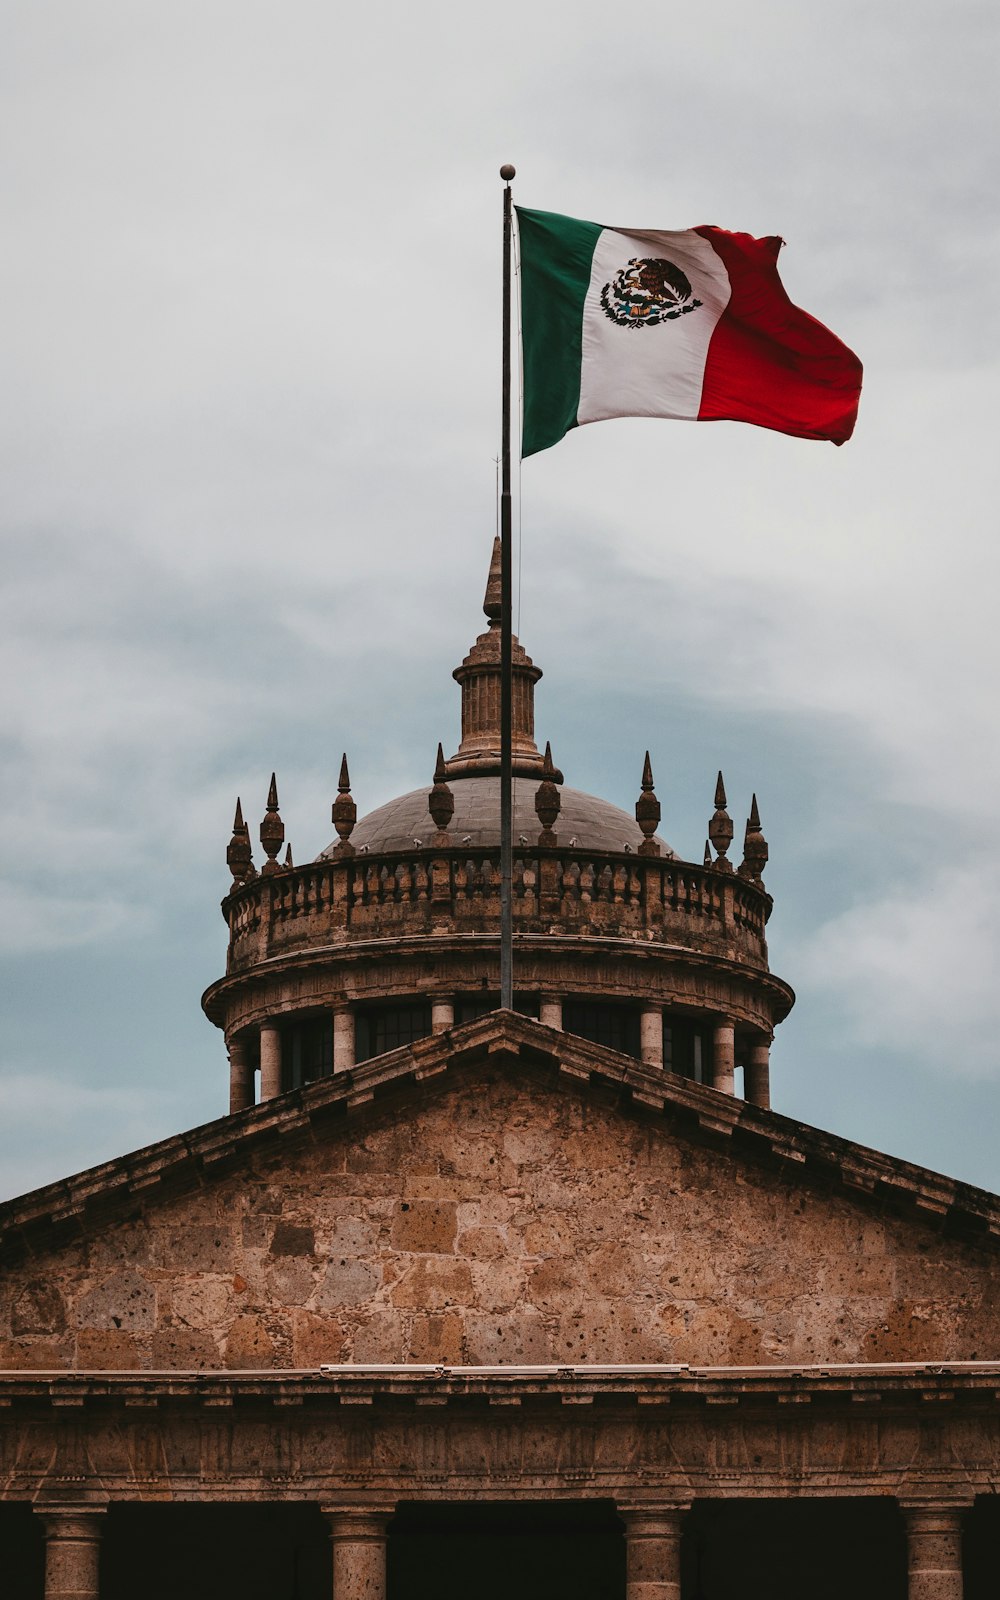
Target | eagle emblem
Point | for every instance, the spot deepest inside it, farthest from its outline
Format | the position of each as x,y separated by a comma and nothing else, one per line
647,291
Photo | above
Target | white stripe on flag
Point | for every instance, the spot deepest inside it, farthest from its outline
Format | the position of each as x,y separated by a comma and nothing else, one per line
649,371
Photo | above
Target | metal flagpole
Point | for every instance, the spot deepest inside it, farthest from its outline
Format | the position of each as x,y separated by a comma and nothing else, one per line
506,687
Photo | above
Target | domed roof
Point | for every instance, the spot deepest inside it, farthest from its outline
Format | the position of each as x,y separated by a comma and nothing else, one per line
584,821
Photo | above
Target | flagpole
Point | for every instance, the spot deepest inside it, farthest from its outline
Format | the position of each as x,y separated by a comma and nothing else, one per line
506,685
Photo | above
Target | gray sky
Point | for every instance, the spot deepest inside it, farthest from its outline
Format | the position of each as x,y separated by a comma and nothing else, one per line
250,357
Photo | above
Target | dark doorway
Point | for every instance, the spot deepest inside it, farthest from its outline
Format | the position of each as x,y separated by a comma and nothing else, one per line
549,1551
213,1552
791,1549
981,1548
22,1552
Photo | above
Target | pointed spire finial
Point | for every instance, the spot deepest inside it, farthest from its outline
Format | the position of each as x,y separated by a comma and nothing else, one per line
288,857
548,800
441,801
720,827
239,856
708,854
755,851
492,601
344,812
272,830
647,811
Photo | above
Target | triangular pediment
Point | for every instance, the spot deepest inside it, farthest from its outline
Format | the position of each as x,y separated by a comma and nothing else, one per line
503,1192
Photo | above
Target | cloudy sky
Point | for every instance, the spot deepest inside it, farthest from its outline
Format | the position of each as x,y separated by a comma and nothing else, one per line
250,329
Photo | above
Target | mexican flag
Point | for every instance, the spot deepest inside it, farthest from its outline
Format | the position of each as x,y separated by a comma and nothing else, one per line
696,324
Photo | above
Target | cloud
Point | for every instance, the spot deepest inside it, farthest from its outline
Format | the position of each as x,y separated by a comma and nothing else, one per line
914,972
53,1125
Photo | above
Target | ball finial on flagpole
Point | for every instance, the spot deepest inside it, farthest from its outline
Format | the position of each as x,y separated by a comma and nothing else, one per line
507,172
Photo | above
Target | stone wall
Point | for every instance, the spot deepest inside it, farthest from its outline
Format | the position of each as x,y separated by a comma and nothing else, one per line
502,1219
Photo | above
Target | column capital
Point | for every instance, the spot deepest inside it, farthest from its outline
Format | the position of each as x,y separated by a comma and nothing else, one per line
946,1506
638,1514
65,1512
359,1522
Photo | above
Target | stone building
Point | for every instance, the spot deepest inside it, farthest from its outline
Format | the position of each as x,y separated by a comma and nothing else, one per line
461,1301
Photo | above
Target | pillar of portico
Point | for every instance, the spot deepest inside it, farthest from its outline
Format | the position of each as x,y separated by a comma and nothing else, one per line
270,1061
653,1553
758,1075
358,1539
550,1010
724,1058
442,1013
240,1075
343,1039
934,1552
651,1035
72,1547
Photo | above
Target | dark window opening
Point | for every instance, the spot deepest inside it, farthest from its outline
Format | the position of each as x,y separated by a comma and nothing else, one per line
687,1048
556,1551
469,1007
604,1022
306,1051
381,1028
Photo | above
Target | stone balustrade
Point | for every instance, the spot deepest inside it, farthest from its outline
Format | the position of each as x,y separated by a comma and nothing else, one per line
430,890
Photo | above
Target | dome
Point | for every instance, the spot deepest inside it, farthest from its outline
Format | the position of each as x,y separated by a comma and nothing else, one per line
584,821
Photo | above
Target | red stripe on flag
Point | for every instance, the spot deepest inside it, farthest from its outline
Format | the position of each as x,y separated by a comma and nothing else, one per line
769,362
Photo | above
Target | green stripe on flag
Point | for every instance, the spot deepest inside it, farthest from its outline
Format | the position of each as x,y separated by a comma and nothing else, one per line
556,256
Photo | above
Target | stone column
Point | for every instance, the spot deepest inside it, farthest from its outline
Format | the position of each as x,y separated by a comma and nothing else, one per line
934,1548
358,1539
240,1075
343,1039
651,1036
724,1058
758,1075
270,1061
653,1553
550,1011
442,1013
72,1546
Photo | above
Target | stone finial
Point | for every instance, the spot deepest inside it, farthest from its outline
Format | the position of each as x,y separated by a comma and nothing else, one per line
441,801
239,856
344,812
647,812
708,854
288,857
720,827
548,800
755,850
494,593
272,830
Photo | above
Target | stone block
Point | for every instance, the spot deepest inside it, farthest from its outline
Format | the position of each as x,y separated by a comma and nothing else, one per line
521,1339
293,1239
38,1308
108,1350
425,1226
438,1339
316,1339
185,1349
431,1284
349,1281
250,1344
124,1300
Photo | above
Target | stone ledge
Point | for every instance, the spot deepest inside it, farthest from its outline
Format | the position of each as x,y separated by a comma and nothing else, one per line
918,1385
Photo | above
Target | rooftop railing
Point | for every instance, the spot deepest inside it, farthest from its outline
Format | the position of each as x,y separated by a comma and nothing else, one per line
555,891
